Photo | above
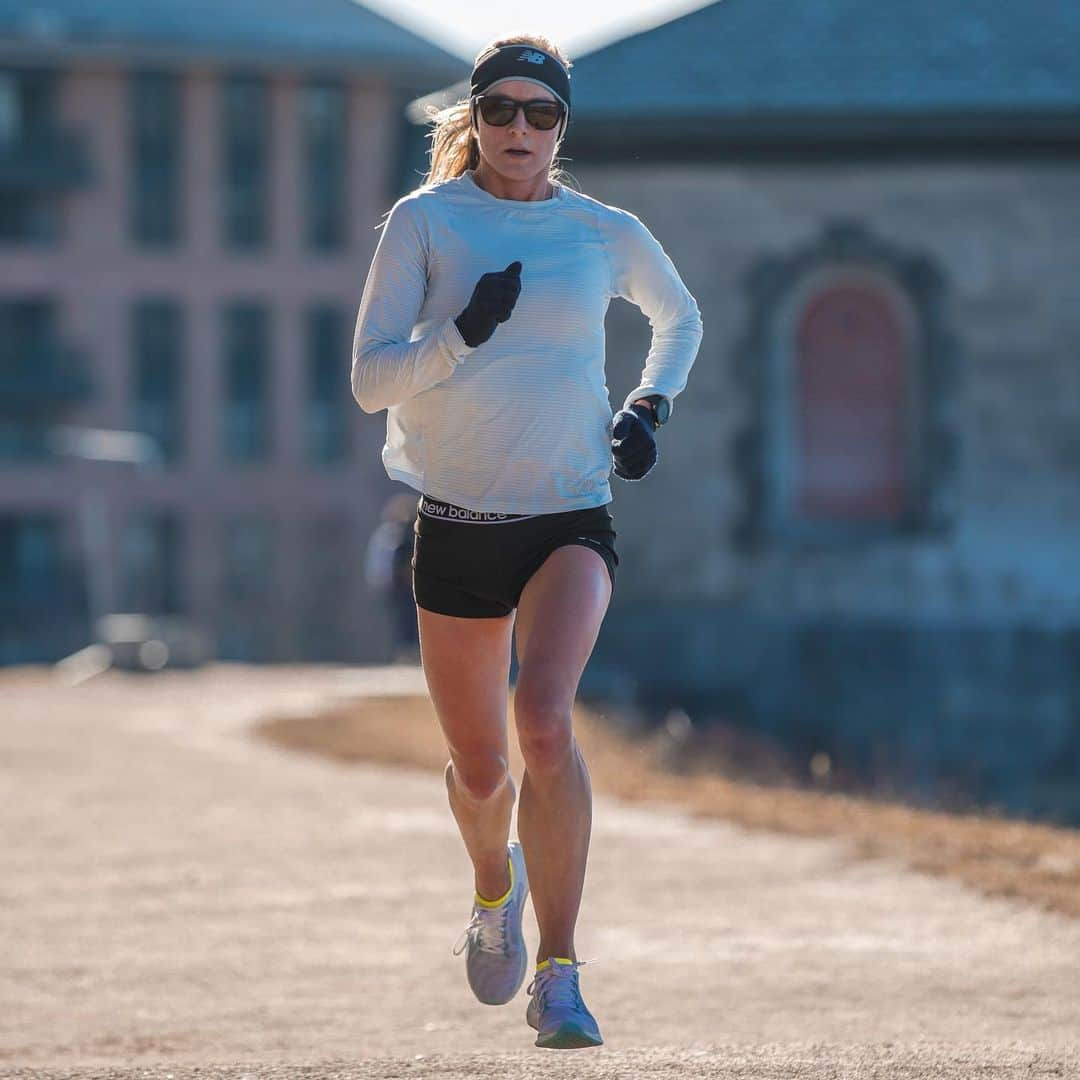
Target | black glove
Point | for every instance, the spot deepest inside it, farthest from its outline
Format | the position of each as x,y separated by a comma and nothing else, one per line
491,303
633,445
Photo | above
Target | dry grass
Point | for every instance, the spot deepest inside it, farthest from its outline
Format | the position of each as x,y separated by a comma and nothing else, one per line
1034,863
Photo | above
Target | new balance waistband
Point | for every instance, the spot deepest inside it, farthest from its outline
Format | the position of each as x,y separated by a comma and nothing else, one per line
444,511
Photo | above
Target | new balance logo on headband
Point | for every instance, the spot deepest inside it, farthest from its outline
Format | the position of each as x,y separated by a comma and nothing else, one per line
504,62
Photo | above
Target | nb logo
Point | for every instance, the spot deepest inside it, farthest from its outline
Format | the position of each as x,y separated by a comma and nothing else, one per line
531,56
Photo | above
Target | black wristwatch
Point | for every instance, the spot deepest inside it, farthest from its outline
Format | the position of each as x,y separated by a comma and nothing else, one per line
660,408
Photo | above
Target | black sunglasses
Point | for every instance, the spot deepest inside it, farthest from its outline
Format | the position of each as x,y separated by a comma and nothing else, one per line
501,111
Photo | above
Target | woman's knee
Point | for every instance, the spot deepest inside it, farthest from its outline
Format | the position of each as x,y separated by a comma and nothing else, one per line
478,776
545,732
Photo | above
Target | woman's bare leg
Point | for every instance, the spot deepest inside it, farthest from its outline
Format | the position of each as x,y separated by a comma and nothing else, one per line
467,667
558,620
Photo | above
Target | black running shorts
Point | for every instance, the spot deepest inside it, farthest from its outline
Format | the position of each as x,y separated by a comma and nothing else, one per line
474,565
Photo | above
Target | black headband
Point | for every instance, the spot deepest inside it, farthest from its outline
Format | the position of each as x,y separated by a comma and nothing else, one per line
521,62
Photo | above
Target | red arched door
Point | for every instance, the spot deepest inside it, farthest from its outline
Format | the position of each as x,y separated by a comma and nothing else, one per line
851,407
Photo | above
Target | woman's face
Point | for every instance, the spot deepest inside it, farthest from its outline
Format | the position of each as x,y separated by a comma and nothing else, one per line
518,151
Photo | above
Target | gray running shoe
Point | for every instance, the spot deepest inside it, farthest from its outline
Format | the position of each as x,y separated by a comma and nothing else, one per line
497,959
557,1011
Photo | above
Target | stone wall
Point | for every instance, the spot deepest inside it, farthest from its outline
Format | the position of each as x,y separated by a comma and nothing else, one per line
945,713
1004,243
939,661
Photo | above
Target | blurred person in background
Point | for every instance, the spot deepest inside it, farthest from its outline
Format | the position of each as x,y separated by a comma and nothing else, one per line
481,332
388,573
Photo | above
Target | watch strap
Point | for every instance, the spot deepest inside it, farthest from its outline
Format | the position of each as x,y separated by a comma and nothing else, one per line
655,401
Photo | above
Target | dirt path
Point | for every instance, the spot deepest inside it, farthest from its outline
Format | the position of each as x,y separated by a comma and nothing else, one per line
176,894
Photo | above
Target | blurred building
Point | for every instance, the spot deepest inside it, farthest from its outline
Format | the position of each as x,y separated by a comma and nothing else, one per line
863,528
188,201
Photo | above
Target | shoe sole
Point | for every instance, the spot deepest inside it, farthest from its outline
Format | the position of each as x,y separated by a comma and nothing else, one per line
568,1037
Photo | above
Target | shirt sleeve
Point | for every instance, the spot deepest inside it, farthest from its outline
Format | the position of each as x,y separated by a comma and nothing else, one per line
643,274
388,367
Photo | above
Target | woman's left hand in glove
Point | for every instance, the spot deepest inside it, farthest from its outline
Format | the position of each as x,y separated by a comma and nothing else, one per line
633,445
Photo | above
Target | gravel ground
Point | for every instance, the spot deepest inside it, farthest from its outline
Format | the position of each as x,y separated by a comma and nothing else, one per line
759,1062
182,900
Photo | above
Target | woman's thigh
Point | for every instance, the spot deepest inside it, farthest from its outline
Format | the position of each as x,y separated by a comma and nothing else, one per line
467,666
558,621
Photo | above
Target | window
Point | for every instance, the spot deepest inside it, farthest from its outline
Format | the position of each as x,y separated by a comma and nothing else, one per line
29,211
11,113
42,601
150,571
247,383
31,389
28,106
22,441
24,326
156,138
324,135
326,414
30,559
157,376
28,217
247,586
323,600
246,130
852,428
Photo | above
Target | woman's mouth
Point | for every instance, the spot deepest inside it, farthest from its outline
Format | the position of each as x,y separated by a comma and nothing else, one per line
519,153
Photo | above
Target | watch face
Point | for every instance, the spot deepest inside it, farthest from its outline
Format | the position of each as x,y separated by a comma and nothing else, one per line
662,410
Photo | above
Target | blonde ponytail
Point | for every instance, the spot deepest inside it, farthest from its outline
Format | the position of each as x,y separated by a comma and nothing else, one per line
454,149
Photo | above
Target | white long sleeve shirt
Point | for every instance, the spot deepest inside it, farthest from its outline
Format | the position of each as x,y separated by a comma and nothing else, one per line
522,423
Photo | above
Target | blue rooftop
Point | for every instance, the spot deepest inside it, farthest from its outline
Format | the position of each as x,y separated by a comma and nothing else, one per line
339,33
823,58
843,54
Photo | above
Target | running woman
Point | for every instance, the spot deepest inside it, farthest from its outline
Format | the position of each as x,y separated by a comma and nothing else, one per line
481,332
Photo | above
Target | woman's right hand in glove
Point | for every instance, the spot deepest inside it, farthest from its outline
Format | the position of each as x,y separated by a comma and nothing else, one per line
492,301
